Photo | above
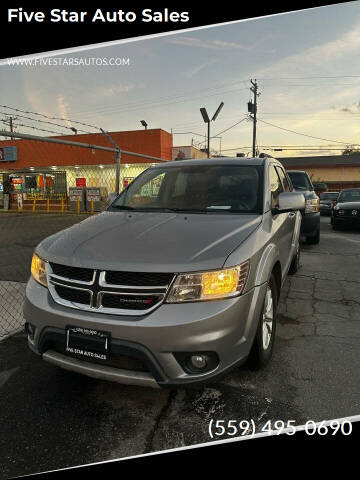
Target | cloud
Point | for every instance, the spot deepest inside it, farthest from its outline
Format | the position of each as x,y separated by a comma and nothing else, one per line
212,44
117,90
353,108
62,106
198,68
317,58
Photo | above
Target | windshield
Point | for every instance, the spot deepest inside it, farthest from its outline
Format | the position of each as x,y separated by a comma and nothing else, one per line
300,181
349,196
195,188
328,196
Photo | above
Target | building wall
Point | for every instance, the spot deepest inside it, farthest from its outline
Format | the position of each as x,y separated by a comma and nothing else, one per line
154,142
188,152
331,174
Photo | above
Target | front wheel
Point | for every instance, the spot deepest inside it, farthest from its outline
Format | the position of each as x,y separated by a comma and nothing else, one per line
315,239
295,263
263,345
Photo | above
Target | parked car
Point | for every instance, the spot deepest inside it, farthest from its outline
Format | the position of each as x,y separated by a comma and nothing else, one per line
177,282
310,225
319,187
327,200
346,212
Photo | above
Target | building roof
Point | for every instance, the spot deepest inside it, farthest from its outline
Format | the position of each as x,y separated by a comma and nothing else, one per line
321,161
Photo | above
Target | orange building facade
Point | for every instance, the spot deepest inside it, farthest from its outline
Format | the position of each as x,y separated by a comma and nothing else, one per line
30,153
46,172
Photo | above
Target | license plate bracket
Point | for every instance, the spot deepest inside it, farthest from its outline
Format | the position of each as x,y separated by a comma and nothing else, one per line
88,343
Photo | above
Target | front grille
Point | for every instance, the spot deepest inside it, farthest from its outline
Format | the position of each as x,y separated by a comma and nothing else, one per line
138,279
74,273
113,292
133,302
72,295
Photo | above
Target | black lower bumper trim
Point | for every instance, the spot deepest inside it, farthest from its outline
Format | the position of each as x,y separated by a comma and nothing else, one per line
50,337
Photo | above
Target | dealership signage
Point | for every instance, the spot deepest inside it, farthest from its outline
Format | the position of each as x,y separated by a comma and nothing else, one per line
127,180
8,154
80,182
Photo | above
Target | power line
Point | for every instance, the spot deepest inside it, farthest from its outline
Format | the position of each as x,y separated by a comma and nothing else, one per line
232,126
43,121
305,135
49,117
154,105
311,76
37,128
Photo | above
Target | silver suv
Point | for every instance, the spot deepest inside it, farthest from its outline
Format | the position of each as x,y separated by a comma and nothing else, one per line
176,282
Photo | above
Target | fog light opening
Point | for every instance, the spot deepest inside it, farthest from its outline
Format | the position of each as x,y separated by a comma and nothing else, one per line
199,361
30,330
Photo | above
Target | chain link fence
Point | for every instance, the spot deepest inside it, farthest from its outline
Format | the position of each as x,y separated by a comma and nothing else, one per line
41,199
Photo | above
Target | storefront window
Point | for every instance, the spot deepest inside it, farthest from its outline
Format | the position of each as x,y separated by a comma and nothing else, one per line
39,185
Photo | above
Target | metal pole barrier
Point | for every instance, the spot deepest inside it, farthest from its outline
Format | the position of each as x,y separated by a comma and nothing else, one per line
118,163
62,204
48,205
92,206
78,205
20,204
34,205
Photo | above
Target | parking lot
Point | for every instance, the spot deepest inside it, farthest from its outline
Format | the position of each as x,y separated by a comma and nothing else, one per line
52,418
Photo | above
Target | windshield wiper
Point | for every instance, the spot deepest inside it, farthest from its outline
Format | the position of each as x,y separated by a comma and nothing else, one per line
123,207
191,210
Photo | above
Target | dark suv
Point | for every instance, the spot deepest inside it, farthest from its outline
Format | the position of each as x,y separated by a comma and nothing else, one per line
310,225
327,200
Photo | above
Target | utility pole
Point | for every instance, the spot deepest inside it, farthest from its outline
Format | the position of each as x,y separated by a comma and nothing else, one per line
252,108
9,121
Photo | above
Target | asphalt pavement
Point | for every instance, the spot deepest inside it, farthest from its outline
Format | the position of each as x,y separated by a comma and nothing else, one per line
52,418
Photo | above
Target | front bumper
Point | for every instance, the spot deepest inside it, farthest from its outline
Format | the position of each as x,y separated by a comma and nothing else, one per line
325,209
349,220
224,327
310,224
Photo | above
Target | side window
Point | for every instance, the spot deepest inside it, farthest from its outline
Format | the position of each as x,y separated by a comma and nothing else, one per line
283,179
180,185
275,187
149,191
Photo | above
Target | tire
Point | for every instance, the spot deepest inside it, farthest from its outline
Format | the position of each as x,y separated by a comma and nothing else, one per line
295,263
315,239
337,225
262,348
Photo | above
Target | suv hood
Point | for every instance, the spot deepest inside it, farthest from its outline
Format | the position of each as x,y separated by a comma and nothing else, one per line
308,194
149,241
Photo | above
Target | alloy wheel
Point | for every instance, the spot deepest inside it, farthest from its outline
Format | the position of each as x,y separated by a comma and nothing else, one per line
268,318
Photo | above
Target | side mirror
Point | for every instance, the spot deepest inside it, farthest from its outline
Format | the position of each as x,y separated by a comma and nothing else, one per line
111,198
289,202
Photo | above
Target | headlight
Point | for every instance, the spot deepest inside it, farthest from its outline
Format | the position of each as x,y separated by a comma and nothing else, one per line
312,205
192,287
38,270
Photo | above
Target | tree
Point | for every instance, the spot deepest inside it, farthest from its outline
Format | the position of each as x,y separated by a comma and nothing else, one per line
349,150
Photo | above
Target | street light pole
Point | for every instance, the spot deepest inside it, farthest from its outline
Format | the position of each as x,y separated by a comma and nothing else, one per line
207,120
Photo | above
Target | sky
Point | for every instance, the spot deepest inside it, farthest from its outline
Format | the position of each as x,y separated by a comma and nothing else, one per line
307,66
